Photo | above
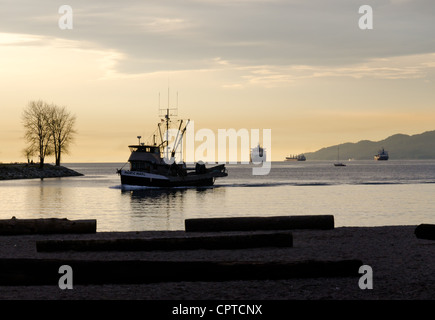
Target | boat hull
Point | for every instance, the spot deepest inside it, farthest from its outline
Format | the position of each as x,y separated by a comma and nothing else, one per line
299,157
381,158
153,180
339,164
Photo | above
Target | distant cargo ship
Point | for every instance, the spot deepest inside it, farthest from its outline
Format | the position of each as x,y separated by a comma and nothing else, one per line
382,155
298,157
258,154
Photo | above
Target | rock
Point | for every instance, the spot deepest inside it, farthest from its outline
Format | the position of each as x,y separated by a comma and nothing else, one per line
32,171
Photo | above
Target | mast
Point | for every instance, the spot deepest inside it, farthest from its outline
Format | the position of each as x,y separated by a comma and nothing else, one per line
167,113
167,128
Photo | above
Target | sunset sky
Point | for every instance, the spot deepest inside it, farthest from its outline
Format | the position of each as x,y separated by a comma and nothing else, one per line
303,69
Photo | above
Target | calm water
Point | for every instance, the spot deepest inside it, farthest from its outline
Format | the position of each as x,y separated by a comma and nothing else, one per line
365,193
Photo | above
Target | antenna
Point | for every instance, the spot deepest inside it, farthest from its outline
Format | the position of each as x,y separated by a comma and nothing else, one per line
167,113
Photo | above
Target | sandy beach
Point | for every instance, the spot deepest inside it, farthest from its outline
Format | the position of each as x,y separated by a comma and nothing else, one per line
403,267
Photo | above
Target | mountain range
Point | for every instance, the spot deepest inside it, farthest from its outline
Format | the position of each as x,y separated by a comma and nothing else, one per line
399,147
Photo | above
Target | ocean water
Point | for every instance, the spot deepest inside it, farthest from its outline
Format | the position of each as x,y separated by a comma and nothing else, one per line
364,193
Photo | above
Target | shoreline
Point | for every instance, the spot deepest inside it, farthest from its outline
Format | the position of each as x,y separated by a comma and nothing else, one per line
17,171
403,267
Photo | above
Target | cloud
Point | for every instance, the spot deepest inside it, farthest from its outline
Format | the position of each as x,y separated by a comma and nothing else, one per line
156,36
165,25
393,68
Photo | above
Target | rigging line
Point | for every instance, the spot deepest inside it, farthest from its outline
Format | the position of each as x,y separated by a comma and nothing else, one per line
123,165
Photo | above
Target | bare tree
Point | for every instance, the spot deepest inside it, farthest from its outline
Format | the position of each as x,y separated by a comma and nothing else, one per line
29,152
61,124
37,131
49,130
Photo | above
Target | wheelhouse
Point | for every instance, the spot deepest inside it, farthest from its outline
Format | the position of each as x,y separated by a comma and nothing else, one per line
144,157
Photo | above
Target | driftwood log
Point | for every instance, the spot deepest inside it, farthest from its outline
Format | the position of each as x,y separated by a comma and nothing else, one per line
46,271
232,241
323,222
425,231
16,226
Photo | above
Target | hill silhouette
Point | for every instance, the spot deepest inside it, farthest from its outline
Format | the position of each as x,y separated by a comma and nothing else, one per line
399,147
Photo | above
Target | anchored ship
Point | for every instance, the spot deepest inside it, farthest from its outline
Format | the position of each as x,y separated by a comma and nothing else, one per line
258,154
296,157
338,163
382,155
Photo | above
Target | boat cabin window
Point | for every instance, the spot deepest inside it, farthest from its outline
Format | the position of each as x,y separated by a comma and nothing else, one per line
140,166
146,149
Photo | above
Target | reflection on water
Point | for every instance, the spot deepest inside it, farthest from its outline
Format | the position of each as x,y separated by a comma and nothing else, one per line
157,207
163,208
361,194
50,198
152,193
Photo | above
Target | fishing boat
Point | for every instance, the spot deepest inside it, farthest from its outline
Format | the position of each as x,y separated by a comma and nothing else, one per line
153,164
382,155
